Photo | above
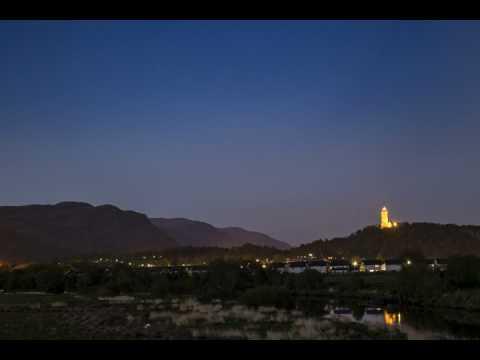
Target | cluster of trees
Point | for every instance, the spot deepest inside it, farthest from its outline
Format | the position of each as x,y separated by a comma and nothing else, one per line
253,285
418,284
48,278
222,280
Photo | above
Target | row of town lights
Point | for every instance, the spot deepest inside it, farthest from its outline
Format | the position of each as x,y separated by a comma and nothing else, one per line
354,263
310,255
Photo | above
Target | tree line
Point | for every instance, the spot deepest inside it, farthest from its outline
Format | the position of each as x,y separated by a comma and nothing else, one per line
231,280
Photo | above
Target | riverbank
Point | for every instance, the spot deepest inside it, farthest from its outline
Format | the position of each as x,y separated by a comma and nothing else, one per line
140,318
382,289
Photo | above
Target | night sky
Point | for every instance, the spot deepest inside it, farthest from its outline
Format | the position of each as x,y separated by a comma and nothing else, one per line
298,129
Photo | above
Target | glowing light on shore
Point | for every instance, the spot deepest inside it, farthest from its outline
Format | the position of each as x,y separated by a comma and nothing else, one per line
392,319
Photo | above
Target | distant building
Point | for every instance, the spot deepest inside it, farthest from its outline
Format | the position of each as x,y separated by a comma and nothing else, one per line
318,265
281,267
393,265
373,265
295,267
431,263
339,266
437,264
385,223
441,264
196,269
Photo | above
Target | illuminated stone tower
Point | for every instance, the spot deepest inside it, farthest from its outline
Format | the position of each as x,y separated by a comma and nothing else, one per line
384,221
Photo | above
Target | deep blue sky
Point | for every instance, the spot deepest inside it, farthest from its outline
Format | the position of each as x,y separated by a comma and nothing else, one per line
299,129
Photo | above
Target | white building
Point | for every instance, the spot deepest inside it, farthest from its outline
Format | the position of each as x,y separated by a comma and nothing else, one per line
373,265
339,266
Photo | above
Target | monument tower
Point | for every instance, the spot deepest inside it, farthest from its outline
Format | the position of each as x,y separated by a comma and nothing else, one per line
385,223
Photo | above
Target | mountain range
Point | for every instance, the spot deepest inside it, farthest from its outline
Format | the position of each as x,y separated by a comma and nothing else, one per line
68,229
200,234
45,232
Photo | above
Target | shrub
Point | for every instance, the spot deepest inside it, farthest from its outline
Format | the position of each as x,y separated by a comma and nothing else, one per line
50,280
20,280
3,278
463,271
160,286
418,284
268,296
224,281
308,280
353,283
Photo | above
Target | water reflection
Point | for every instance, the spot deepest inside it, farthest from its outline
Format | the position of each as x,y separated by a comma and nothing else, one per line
416,324
374,316
392,319
358,312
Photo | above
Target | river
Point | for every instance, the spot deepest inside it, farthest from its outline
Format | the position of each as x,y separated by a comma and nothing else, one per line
417,324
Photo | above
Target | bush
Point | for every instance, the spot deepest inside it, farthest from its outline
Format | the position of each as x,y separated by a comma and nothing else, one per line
3,278
353,283
463,271
268,296
223,281
124,280
417,284
50,280
88,278
160,286
308,280
20,280
181,284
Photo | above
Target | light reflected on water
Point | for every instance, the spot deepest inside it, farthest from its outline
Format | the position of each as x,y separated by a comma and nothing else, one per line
416,325
379,316
392,319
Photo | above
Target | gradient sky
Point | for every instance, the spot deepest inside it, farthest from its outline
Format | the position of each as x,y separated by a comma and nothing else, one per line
299,129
